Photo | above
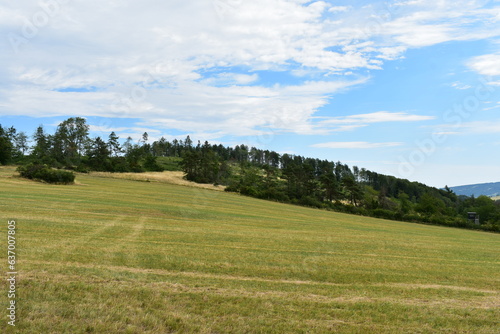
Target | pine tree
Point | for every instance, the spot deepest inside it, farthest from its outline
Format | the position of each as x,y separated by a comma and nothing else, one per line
5,147
114,144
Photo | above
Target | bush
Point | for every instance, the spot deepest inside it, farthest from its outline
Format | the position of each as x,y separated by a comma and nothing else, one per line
232,188
490,227
437,219
81,169
414,218
44,173
274,195
310,202
383,213
249,191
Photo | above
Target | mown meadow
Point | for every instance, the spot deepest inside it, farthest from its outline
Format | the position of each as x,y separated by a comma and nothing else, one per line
109,255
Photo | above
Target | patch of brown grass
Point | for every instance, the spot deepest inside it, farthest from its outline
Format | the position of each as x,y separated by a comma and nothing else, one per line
176,178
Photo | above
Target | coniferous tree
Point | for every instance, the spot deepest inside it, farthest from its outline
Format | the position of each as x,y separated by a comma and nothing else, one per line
114,144
5,147
22,143
352,190
99,155
188,143
41,148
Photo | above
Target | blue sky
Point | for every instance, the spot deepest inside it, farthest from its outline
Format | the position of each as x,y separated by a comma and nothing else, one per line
406,88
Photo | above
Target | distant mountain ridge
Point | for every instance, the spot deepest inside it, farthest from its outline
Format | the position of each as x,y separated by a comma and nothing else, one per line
489,189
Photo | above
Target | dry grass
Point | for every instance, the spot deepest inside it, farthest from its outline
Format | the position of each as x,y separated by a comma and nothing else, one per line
176,178
120,256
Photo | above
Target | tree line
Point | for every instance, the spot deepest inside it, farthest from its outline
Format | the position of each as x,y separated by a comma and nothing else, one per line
70,147
334,186
253,172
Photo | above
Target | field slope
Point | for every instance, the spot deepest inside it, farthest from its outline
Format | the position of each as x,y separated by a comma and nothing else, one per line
122,256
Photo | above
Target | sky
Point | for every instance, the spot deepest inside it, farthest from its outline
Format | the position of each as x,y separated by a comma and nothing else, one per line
407,88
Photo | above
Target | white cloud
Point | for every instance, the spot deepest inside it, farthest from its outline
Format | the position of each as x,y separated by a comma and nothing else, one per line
497,106
460,86
392,53
486,65
424,23
446,133
482,127
338,9
155,60
355,145
231,79
473,128
347,123
108,129
234,110
419,35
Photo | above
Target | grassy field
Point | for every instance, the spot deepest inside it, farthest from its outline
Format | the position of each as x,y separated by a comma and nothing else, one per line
171,177
120,256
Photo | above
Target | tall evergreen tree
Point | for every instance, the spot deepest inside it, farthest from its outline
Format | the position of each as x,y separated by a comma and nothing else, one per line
188,143
41,146
99,154
5,147
114,145
22,143
352,190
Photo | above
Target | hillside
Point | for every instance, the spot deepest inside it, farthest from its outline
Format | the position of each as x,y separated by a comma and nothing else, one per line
120,256
489,189
249,171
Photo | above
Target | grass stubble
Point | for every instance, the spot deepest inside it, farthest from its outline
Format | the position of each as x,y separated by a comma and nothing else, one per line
113,255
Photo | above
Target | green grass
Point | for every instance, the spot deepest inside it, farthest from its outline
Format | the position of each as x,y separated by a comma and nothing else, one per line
121,256
169,163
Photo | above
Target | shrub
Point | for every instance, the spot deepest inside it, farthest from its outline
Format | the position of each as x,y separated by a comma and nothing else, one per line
44,173
383,213
310,202
415,218
232,188
249,191
437,219
81,169
136,168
